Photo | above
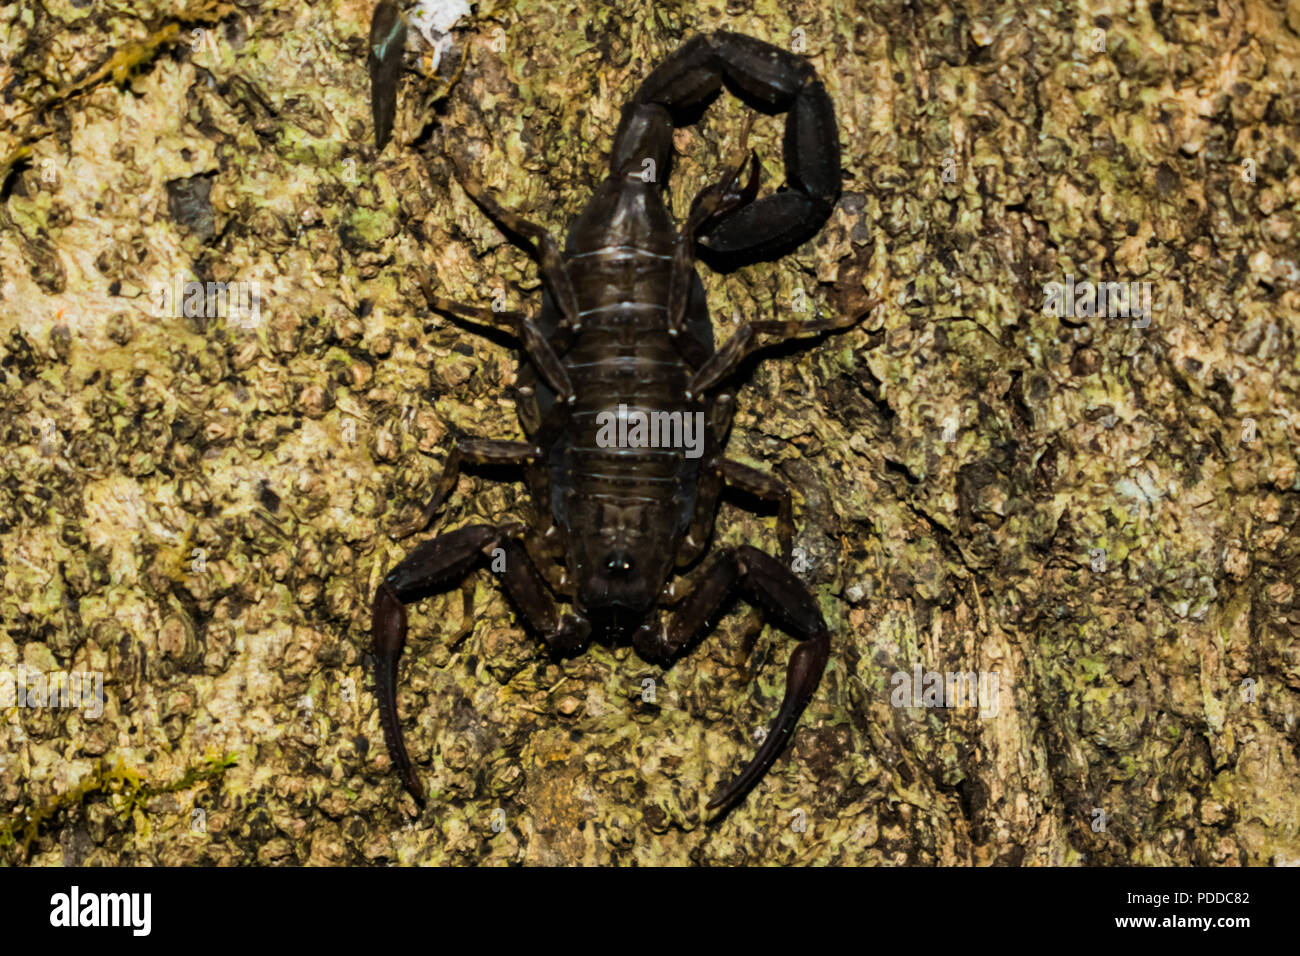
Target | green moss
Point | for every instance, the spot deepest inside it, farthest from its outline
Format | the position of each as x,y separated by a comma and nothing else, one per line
126,789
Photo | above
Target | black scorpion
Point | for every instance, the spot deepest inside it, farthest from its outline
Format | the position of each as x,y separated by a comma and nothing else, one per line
624,325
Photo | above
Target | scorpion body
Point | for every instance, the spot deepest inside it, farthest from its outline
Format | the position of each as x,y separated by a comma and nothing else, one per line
624,325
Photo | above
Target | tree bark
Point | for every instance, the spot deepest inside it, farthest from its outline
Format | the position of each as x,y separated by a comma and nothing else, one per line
1092,515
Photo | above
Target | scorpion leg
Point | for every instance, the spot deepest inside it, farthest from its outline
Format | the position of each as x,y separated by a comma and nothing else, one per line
767,488
783,597
745,341
753,482
476,451
564,634
749,480
780,81
539,238
435,564
546,552
710,487
706,507
524,327
662,644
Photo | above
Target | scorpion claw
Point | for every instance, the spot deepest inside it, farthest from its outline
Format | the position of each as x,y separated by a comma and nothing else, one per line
802,677
389,627
785,598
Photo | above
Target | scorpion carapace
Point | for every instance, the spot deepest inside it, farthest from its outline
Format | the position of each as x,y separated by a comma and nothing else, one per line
624,402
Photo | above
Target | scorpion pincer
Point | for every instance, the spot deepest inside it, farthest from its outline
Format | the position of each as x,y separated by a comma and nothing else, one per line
623,335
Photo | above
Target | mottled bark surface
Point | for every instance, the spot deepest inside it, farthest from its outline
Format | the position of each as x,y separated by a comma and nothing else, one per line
1096,511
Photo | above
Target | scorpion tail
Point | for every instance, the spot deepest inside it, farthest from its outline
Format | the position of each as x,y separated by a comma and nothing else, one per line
774,80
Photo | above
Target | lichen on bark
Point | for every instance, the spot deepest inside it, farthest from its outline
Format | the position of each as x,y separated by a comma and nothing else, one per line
1099,512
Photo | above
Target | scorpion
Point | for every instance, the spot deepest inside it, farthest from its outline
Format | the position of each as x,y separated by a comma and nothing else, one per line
618,528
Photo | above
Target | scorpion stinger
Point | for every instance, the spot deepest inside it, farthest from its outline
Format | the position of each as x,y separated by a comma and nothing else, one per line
777,80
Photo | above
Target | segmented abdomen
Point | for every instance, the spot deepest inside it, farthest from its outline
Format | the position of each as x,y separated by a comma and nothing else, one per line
619,253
